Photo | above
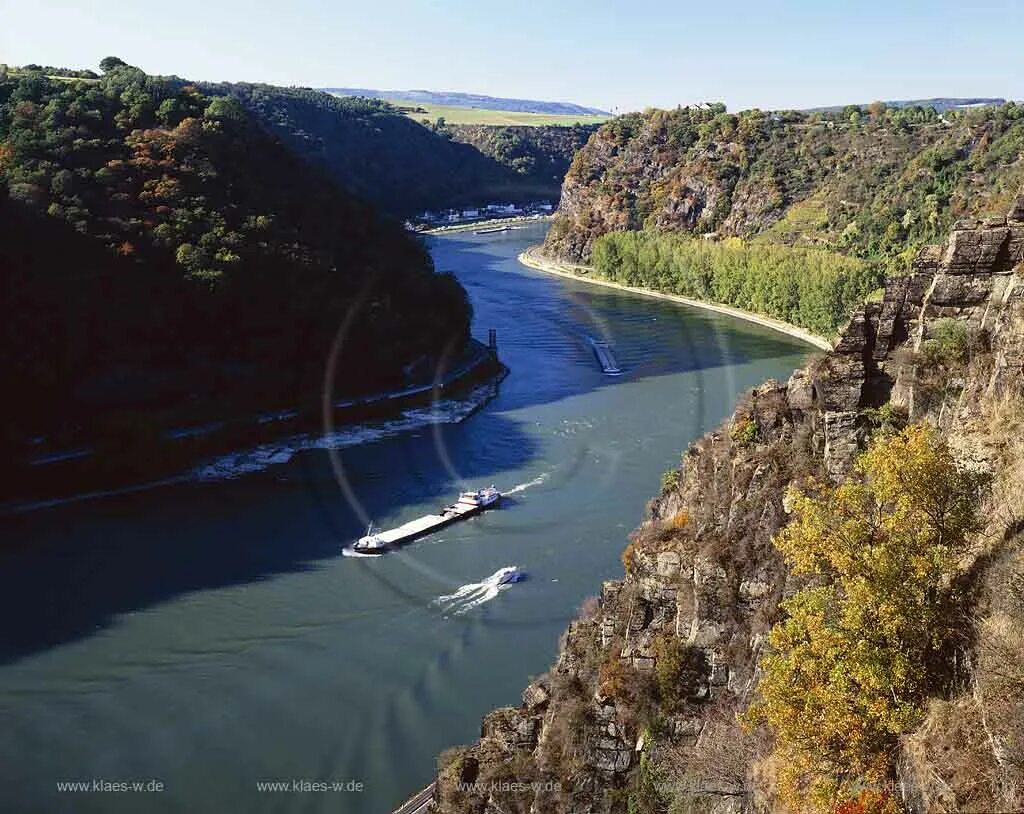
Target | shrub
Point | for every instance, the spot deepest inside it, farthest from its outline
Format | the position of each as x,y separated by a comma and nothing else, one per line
679,671
885,420
949,343
744,432
613,678
869,801
679,521
629,557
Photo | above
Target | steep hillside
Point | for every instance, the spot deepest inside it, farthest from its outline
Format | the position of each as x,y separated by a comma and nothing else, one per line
165,260
376,152
403,166
875,183
649,705
542,154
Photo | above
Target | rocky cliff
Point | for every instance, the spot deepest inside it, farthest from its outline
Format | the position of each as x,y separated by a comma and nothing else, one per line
868,185
651,675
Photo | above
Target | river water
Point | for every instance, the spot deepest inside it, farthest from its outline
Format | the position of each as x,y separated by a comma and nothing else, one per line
207,637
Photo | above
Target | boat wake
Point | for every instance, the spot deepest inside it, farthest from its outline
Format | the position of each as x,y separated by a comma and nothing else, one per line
522,487
473,595
348,551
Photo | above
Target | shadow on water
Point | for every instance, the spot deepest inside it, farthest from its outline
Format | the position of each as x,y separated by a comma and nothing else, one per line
68,572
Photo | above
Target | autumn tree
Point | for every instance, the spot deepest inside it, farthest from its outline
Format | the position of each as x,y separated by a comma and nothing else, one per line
848,669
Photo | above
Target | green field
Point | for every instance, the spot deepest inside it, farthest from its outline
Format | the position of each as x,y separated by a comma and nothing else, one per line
477,115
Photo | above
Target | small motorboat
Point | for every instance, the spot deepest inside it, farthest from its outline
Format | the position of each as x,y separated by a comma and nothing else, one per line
509,574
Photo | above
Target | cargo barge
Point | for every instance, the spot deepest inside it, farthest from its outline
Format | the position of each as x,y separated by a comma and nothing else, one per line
467,505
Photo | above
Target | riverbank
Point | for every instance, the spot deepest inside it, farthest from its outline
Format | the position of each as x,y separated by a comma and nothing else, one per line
533,258
491,223
210,450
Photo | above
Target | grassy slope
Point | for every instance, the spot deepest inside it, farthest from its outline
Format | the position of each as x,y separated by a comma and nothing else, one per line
477,115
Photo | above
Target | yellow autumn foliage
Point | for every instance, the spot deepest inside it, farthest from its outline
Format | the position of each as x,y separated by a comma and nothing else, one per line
848,668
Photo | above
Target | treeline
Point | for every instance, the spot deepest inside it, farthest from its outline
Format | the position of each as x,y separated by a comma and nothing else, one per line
50,70
813,289
162,258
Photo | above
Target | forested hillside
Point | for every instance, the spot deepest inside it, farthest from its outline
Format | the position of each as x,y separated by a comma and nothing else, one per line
876,183
164,259
542,154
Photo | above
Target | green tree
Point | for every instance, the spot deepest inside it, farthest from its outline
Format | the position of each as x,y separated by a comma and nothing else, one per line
224,108
107,64
171,112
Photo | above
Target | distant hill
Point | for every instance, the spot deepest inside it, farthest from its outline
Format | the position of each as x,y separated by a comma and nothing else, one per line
391,160
941,103
454,99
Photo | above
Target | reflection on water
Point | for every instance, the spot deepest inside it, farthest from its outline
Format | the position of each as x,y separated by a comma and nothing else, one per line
211,635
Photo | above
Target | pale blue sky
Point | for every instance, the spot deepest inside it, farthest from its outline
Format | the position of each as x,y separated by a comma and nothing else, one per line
627,55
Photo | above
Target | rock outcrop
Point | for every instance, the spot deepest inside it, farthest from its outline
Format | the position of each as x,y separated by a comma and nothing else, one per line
703,579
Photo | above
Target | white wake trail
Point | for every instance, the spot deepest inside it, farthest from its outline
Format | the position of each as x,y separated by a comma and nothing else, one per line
522,487
472,595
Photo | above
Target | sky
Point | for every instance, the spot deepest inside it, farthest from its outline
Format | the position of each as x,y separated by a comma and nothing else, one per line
612,55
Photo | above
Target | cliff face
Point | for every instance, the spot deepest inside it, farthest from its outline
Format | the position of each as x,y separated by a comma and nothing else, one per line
678,639
869,187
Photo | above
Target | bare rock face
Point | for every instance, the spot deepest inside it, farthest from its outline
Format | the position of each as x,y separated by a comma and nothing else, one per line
1016,213
703,576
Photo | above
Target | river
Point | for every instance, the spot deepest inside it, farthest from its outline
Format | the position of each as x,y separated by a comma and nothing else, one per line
207,637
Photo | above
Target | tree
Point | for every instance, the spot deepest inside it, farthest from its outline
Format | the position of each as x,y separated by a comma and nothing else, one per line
171,112
107,64
224,108
877,110
849,668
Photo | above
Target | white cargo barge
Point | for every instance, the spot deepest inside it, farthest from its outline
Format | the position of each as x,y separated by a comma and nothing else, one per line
468,504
